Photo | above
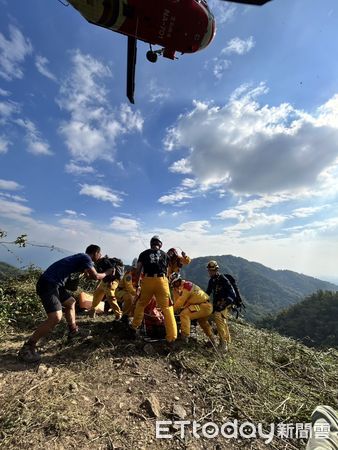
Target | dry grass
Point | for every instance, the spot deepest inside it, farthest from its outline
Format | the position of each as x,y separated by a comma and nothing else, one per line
90,395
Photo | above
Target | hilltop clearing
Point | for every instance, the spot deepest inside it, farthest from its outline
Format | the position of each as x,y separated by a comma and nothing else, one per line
108,391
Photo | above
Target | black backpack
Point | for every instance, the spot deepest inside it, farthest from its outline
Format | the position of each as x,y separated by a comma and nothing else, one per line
106,263
228,294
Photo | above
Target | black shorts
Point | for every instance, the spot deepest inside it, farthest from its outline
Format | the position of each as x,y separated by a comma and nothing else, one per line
52,296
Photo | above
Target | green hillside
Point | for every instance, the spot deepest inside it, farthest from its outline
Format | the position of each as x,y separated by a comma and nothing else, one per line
6,270
314,321
265,290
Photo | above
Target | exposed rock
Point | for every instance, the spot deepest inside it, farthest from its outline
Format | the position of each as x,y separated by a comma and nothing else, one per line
152,405
179,411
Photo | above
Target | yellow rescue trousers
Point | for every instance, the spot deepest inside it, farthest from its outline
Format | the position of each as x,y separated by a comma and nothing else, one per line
159,287
107,290
200,312
220,319
126,298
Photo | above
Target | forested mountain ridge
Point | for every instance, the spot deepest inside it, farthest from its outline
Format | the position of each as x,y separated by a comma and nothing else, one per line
314,320
265,290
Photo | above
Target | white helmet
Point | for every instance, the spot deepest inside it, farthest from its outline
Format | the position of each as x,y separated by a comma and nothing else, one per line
134,263
175,276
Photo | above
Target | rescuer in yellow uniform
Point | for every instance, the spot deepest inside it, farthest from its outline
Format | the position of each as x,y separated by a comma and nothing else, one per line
193,303
154,264
126,291
176,261
106,289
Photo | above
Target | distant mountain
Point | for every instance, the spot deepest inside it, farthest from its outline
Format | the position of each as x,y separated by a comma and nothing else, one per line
314,320
265,290
6,270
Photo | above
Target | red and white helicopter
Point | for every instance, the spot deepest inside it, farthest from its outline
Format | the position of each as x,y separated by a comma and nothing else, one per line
183,26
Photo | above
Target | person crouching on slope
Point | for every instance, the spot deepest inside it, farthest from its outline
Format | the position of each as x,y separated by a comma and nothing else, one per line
107,287
154,264
54,296
218,288
193,303
127,290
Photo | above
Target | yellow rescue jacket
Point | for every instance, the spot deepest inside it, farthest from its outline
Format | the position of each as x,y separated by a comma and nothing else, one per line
127,283
189,294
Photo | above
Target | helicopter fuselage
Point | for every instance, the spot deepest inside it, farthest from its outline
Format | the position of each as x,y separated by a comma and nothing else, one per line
184,26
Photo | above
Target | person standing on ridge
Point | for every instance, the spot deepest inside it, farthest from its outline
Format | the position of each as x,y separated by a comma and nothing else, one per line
154,264
218,287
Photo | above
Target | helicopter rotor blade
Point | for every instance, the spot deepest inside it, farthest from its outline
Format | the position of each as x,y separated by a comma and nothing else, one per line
131,66
249,2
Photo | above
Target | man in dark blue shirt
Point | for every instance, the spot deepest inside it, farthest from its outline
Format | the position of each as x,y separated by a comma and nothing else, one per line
54,296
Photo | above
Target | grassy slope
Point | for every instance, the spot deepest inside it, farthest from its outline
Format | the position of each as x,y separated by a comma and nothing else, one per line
90,395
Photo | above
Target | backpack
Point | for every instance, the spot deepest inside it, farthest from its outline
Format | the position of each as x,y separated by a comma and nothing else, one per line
228,293
106,263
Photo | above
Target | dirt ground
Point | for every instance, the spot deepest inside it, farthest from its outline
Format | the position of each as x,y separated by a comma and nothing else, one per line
108,391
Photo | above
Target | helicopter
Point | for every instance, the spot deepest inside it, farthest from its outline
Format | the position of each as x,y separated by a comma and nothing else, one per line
183,26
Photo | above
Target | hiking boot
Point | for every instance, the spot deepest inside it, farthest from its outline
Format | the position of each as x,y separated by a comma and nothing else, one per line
78,335
125,320
170,347
28,353
324,429
223,346
183,339
133,334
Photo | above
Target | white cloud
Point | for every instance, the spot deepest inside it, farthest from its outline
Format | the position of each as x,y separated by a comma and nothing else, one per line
4,144
239,46
41,64
35,144
175,198
13,52
224,12
101,193
14,210
157,94
4,93
94,126
9,185
181,166
195,226
7,110
220,65
70,212
308,211
123,224
76,169
251,148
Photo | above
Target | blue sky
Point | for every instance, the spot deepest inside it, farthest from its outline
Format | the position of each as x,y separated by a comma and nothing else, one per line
232,150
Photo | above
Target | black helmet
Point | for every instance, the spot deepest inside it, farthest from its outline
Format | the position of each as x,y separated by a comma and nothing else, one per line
155,239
